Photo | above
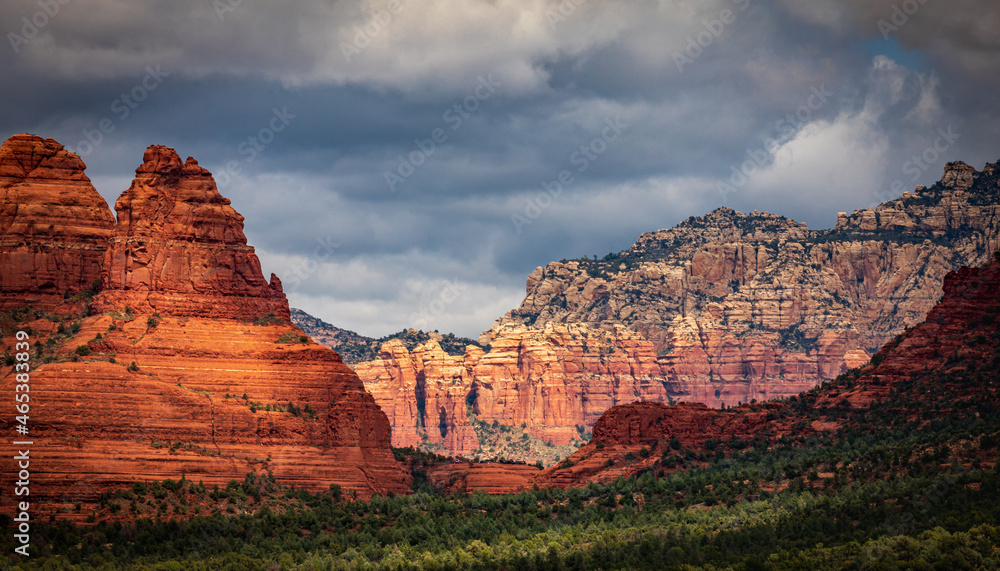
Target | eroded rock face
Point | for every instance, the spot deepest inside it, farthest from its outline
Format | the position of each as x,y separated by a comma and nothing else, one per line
159,391
558,380
721,310
179,248
491,478
54,225
555,381
756,306
98,424
423,393
958,336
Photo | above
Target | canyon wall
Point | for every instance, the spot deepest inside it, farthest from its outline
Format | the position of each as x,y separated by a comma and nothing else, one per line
754,306
948,358
722,309
555,382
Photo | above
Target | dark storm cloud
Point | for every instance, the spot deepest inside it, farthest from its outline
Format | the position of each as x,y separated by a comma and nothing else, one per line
306,115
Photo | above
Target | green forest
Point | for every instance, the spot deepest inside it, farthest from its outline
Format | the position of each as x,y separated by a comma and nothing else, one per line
898,498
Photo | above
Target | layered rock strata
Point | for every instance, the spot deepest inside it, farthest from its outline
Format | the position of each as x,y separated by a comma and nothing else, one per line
54,226
180,410
489,477
424,394
179,248
553,382
724,309
753,306
946,354
185,365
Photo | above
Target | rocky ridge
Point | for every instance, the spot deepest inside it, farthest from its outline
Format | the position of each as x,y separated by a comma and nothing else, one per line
743,304
940,367
724,309
183,363
354,348
325,333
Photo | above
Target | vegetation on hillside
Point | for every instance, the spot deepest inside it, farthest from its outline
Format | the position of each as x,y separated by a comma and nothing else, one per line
743,512
57,340
505,443
910,481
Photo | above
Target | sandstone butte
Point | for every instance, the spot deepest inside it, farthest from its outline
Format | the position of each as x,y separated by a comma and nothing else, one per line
723,309
179,248
181,295
947,342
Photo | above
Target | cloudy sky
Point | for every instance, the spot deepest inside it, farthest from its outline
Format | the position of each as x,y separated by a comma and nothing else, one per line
399,163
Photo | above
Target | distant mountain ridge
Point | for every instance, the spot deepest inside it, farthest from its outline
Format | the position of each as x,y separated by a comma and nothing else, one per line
355,348
325,333
715,258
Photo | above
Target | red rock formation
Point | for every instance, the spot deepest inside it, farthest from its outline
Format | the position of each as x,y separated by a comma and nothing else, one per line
757,306
94,422
179,248
553,381
649,422
491,478
54,225
722,310
161,395
561,377
424,395
954,340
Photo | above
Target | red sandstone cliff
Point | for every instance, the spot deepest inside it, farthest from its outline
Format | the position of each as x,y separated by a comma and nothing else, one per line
158,391
423,393
54,225
551,381
944,355
722,309
757,306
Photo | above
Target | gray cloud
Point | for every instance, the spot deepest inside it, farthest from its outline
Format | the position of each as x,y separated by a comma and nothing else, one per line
702,91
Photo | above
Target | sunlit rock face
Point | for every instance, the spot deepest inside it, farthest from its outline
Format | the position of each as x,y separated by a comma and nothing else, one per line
54,226
183,364
179,248
722,309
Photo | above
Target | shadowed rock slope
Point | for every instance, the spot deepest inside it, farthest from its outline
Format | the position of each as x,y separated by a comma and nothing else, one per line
354,348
